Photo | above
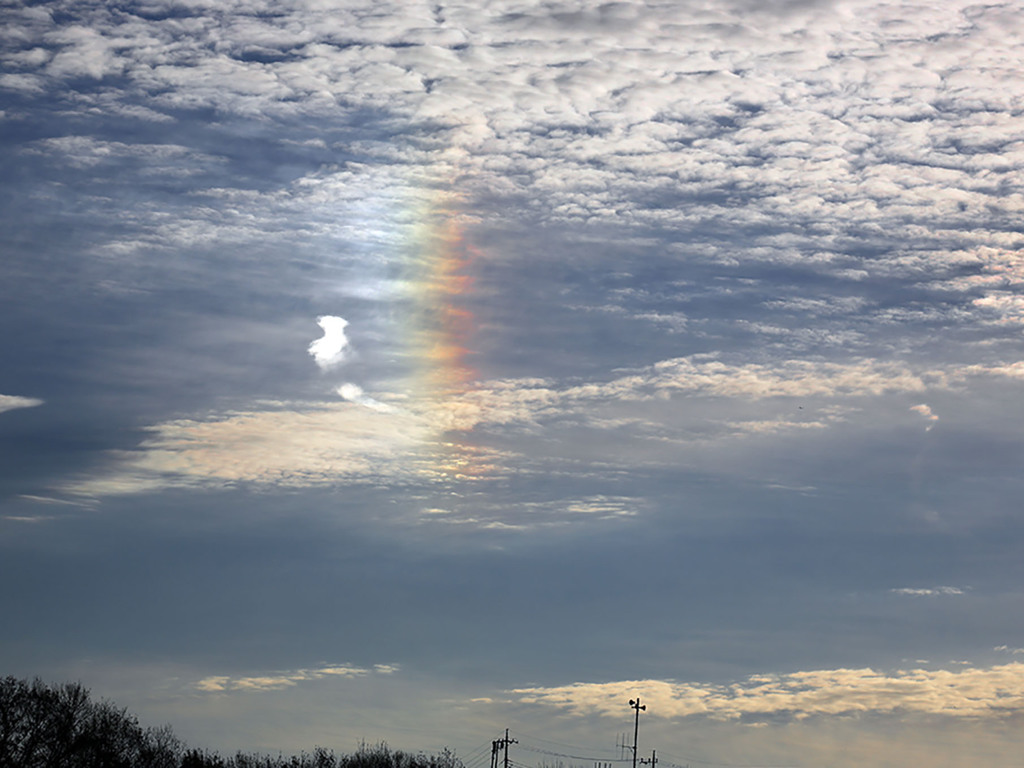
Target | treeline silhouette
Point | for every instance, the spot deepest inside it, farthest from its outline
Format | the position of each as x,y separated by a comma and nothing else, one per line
59,726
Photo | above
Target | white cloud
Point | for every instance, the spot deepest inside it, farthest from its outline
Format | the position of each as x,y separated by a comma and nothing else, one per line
329,350
11,402
1008,649
992,692
285,447
326,443
927,591
277,680
51,500
511,83
481,511
925,411
705,119
354,393
84,52
88,152
697,118
1013,370
23,82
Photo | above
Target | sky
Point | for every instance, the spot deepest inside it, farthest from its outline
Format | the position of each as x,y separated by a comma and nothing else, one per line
407,371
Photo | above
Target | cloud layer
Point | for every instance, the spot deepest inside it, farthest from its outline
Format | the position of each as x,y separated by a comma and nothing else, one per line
400,438
970,693
278,680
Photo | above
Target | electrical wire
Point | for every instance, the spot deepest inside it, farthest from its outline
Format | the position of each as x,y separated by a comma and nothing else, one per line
577,757
475,759
591,759
688,760
532,737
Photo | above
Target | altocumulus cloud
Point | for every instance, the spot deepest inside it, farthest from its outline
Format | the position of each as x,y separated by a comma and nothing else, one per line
327,442
968,693
872,126
287,679
286,447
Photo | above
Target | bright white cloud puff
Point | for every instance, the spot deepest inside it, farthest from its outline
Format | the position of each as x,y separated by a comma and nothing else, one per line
329,350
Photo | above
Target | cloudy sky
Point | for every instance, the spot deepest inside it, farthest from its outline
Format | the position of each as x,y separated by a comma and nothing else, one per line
386,369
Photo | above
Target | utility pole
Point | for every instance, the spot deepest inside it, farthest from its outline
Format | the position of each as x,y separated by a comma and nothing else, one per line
496,745
635,704
653,762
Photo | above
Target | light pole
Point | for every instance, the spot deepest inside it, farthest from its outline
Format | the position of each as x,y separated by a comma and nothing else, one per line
635,704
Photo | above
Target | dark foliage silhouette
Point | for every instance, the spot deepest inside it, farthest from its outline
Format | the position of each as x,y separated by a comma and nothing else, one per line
379,756
59,726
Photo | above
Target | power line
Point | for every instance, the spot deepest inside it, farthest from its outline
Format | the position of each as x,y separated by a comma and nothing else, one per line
654,762
574,757
721,764
643,761
576,747
475,759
